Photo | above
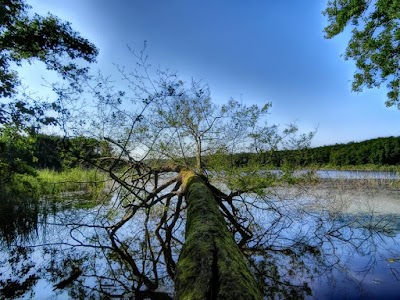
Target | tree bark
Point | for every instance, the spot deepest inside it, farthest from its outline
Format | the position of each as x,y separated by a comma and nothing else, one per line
210,266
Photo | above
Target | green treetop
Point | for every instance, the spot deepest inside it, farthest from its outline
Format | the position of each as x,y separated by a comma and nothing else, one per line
27,37
374,44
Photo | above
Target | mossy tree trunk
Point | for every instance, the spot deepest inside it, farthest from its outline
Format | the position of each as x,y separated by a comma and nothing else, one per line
210,266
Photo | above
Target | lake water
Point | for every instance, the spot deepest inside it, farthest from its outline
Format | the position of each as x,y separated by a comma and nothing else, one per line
357,230
334,174
332,240
344,175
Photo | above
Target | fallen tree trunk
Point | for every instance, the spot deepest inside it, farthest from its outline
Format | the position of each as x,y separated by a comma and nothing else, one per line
210,265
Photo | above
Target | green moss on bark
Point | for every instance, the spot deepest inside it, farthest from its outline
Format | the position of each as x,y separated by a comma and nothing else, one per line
210,265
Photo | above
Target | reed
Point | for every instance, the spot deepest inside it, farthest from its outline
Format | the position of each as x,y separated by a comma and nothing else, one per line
89,182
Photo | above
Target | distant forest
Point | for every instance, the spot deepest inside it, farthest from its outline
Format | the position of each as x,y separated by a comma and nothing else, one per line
379,151
58,153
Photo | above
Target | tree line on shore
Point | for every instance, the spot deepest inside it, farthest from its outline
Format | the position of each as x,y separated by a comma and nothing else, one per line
60,153
378,152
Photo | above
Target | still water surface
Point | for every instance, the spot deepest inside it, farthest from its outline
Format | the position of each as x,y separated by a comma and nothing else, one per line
344,242
334,174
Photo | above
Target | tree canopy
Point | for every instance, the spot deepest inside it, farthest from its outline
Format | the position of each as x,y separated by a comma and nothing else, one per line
374,44
29,37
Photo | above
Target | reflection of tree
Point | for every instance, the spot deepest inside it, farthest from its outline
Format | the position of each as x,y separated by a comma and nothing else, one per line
291,246
353,245
18,217
21,273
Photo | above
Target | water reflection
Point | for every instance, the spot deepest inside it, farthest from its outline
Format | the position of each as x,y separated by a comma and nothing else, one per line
20,275
357,248
334,174
18,218
320,242
330,242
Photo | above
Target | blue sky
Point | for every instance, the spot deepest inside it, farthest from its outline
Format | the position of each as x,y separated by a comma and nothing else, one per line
260,51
